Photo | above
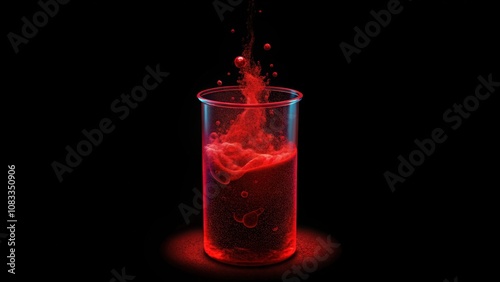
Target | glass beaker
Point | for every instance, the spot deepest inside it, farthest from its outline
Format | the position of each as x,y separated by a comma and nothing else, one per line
249,174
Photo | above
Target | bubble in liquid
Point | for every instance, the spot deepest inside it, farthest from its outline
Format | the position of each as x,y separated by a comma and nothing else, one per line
217,123
219,82
244,194
213,136
251,219
267,46
275,228
240,62
237,218
220,176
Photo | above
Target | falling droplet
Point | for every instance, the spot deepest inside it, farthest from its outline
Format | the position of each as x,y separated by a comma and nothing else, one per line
240,62
275,74
219,82
232,30
271,65
267,46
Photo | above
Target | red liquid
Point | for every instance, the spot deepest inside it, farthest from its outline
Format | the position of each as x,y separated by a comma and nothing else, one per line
251,220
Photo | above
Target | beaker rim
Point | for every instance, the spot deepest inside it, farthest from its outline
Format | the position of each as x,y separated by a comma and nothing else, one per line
297,96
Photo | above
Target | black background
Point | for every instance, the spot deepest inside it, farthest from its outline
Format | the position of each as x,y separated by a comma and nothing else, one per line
356,118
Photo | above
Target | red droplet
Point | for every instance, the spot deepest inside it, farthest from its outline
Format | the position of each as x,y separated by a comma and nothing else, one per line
271,65
217,123
275,74
228,73
219,82
232,30
240,62
244,194
267,46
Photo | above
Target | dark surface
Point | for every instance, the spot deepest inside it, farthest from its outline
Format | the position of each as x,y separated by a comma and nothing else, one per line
118,205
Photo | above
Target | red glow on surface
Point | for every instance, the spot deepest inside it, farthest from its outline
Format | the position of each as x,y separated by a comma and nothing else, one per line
185,252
